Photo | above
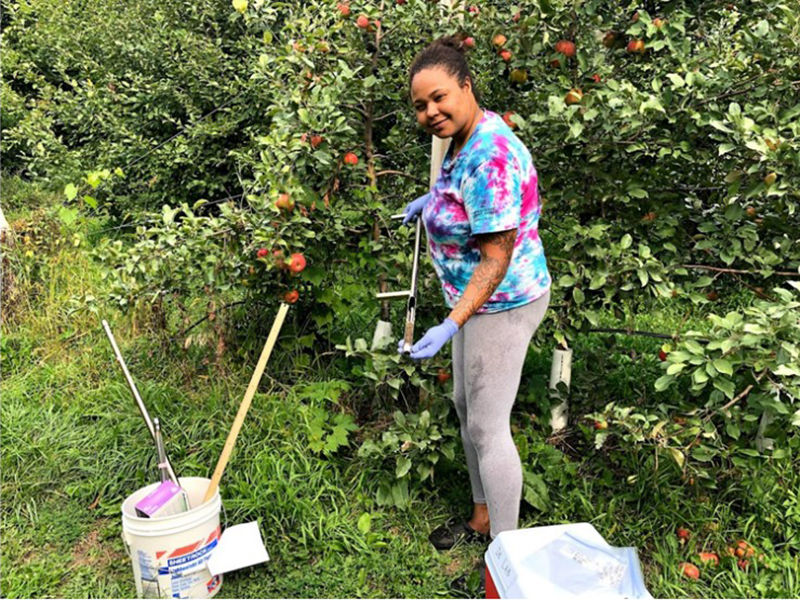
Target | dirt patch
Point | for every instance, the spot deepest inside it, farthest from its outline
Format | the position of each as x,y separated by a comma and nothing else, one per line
455,567
95,550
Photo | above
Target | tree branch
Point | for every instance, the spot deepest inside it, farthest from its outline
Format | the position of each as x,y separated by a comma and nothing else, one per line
401,174
736,271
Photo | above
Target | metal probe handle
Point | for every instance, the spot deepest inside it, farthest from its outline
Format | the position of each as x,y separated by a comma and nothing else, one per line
137,397
161,452
412,297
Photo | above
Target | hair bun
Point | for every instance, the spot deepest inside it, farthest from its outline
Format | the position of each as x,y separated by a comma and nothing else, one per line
453,41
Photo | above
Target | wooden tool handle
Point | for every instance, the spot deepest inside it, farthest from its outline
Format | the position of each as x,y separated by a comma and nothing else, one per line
245,405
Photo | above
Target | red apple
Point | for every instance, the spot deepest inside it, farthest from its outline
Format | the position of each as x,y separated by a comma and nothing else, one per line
709,557
690,571
683,534
291,297
574,96
507,119
377,23
297,262
469,42
636,47
516,17
473,10
400,2
316,140
635,16
285,202
566,48
555,63
443,376
362,21
610,39
662,356
499,40
344,9
601,425
596,78
351,158
505,55
658,22
262,252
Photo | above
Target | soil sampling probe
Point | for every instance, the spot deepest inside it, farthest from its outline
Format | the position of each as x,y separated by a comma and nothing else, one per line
139,402
411,294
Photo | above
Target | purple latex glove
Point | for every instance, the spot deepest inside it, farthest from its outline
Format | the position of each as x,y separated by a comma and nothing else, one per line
432,341
413,209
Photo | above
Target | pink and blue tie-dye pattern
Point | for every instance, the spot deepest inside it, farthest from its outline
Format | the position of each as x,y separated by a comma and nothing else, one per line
491,186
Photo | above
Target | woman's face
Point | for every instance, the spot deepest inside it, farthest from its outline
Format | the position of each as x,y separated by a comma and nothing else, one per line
441,106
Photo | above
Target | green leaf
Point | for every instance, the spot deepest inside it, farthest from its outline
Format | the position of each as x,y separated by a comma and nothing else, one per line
723,366
535,491
732,429
365,523
70,191
664,382
67,215
566,281
403,466
725,386
675,368
626,241
725,148
677,80
677,456
693,347
578,295
761,28
400,493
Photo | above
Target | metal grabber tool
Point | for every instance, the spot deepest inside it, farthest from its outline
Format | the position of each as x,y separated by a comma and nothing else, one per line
411,294
139,402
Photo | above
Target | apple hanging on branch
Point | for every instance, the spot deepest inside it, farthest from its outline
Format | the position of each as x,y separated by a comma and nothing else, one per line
636,47
574,96
285,202
297,262
566,48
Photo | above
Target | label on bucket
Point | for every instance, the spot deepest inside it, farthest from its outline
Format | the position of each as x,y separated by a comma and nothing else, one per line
180,571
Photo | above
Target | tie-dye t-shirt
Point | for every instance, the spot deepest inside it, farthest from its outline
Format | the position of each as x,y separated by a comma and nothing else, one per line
491,186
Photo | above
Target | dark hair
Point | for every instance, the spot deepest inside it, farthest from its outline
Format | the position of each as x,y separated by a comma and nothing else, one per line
446,52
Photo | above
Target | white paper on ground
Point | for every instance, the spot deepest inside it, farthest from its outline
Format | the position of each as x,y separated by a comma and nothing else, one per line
239,546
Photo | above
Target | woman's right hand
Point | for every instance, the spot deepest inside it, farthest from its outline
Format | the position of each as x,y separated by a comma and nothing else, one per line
413,209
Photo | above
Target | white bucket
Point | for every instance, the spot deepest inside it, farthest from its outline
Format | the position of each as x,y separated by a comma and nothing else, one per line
169,554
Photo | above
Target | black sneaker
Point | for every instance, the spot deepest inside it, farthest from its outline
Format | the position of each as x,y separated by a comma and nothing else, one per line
454,532
471,585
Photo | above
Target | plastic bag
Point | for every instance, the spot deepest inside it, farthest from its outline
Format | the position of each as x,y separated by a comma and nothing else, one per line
581,568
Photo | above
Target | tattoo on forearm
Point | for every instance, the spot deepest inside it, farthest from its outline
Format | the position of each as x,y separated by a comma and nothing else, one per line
496,251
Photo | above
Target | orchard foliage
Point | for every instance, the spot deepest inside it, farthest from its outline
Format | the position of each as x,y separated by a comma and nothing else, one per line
665,136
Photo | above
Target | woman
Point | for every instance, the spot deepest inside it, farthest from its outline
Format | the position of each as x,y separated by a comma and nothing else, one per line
481,218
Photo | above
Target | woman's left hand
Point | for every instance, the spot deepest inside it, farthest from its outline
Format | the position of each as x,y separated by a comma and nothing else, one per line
432,341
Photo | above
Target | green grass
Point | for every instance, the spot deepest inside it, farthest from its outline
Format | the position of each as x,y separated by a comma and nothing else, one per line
74,447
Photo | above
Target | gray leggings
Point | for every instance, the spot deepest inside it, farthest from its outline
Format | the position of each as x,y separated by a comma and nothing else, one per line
488,355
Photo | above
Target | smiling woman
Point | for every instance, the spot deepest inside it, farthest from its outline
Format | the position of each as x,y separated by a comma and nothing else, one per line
481,218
